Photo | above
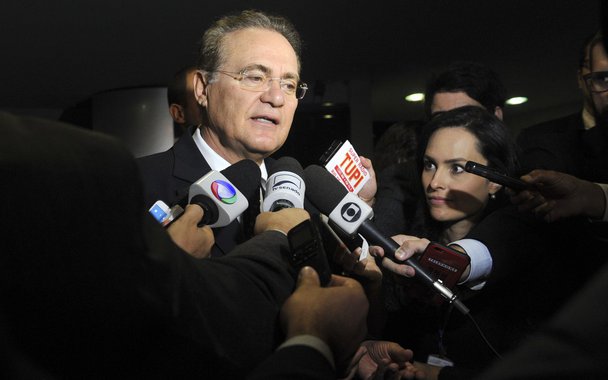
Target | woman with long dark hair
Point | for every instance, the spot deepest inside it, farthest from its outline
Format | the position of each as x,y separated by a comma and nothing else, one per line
444,203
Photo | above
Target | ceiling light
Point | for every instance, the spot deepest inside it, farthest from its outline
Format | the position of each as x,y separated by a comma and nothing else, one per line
516,100
415,97
327,104
329,116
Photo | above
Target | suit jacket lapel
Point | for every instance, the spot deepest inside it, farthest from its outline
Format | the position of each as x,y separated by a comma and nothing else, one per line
190,165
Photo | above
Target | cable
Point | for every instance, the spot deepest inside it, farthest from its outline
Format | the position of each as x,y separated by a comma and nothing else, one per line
484,337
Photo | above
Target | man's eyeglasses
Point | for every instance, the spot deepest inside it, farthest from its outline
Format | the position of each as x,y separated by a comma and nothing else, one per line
257,80
597,81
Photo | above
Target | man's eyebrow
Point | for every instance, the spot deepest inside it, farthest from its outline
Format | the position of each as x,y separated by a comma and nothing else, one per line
266,70
262,68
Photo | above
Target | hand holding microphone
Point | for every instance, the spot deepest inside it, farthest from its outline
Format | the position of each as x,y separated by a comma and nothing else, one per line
408,246
284,211
283,220
186,234
353,215
223,196
285,189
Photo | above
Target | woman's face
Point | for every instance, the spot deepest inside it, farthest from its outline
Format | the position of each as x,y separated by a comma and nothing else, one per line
453,194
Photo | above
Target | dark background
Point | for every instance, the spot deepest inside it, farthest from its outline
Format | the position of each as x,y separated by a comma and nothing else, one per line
57,54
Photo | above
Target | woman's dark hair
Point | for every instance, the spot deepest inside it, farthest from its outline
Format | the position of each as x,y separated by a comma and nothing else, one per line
493,138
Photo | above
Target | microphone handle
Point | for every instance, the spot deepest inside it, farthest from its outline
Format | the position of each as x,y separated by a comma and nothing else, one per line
210,211
280,204
369,231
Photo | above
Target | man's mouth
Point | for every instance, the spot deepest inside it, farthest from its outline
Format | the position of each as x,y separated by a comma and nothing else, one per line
265,119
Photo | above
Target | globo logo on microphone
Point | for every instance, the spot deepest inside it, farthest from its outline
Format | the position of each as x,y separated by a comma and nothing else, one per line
351,212
223,191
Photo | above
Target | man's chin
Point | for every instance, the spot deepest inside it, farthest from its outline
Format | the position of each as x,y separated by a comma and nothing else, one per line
264,147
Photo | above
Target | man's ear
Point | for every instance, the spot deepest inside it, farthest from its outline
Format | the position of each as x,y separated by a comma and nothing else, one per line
580,80
177,113
498,113
493,188
200,87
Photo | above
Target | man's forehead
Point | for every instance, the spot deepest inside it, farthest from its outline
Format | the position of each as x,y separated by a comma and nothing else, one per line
258,47
598,56
453,99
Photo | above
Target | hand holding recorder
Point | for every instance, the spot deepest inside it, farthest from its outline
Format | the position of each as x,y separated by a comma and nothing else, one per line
560,196
442,262
496,176
336,314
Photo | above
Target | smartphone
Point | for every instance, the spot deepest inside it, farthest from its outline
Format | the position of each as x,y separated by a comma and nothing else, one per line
495,176
330,152
306,249
165,214
445,264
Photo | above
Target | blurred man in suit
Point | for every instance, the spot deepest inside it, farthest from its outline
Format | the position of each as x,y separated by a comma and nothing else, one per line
92,286
183,107
465,84
567,144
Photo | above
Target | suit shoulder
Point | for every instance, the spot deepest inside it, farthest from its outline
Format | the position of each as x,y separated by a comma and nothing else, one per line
157,161
564,124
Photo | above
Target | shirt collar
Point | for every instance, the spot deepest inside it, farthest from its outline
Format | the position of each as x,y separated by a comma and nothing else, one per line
588,119
215,161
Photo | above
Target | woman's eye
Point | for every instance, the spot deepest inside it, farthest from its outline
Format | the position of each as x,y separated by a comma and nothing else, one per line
457,169
428,165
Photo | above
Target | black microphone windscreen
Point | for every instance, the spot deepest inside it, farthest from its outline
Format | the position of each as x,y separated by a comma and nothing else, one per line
246,176
286,164
323,189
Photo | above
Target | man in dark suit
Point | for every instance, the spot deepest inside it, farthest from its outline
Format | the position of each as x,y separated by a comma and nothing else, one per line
573,344
571,144
248,86
92,286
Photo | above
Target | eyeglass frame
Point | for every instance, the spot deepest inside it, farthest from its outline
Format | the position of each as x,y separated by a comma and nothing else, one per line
588,81
239,76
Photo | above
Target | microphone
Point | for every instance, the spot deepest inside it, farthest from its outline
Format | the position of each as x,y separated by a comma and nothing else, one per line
285,187
223,195
352,215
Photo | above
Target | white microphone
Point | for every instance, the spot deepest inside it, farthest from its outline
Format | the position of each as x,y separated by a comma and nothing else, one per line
220,199
285,187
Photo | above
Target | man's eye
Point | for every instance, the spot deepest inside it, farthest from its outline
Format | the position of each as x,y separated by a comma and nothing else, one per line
255,78
600,77
289,85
